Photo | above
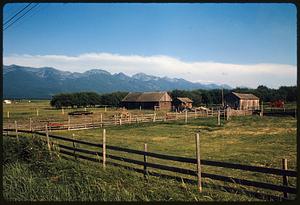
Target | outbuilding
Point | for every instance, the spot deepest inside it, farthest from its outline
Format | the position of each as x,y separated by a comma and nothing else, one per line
182,103
147,100
241,101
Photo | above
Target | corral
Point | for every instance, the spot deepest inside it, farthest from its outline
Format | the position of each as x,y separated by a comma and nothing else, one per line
269,139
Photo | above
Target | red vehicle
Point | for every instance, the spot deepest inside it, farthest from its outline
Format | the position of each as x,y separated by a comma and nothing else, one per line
277,104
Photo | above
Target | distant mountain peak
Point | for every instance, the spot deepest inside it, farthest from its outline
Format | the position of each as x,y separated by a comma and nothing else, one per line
28,82
96,71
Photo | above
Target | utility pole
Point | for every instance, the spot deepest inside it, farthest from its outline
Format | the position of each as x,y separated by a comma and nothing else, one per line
222,98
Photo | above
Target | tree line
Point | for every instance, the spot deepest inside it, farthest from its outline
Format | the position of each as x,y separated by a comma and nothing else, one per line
199,96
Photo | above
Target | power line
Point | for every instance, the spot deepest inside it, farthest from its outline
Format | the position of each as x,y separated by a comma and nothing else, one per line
20,17
16,14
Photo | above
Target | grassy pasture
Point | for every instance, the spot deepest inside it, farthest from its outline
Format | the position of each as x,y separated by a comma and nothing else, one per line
249,140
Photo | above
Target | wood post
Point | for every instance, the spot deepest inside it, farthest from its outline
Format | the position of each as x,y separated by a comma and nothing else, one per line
130,118
37,112
154,117
101,120
16,129
186,116
195,113
30,124
84,121
262,109
47,135
7,114
120,121
115,118
140,108
74,146
104,148
105,109
284,177
176,114
85,109
198,162
62,111
219,120
145,161
69,122
227,114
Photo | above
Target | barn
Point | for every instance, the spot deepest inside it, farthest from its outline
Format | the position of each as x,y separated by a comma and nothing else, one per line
147,100
183,103
241,101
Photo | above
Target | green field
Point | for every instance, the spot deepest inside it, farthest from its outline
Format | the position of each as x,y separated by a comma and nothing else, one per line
249,140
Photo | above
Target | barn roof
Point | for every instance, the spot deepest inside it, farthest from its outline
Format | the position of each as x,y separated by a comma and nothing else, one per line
185,100
246,96
147,97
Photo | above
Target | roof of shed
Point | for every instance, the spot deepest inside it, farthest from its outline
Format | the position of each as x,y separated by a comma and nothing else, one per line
147,97
185,100
246,96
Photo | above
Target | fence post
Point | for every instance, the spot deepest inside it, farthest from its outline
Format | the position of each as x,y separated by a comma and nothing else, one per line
120,121
69,122
115,119
105,109
227,114
195,113
186,116
74,146
7,114
85,121
198,162
130,118
47,135
104,148
140,108
37,112
101,122
30,124
262,109
16,128
284,177
219,120
62,111
85,109
176,115
154,117
145,161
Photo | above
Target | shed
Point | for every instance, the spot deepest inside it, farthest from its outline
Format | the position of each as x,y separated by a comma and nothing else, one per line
182,103
242,101
147,100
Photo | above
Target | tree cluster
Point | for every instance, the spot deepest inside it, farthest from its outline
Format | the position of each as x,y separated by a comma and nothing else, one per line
199,97
86,99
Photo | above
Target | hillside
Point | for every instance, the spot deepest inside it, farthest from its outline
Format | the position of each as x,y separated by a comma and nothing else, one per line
28,82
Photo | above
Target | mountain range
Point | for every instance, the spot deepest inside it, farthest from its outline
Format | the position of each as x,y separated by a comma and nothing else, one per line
42,83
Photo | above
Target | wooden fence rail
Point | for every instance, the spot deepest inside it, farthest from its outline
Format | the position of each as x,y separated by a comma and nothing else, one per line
76,153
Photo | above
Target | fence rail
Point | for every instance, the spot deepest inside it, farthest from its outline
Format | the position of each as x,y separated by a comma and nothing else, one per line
75,152
90,122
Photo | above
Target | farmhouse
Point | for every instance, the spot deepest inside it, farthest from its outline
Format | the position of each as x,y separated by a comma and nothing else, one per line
147,100
182,103
241,101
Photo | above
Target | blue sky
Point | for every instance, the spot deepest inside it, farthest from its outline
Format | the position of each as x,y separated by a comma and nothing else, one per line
189,35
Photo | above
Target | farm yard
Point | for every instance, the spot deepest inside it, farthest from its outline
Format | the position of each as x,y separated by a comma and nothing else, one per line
247,140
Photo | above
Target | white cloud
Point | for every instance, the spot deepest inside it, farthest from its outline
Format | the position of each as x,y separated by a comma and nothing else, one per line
272,75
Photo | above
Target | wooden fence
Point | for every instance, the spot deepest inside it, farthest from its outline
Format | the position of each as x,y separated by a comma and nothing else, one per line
99,121
102,156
